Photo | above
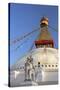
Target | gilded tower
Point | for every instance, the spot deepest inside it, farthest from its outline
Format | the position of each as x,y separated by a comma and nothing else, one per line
45,38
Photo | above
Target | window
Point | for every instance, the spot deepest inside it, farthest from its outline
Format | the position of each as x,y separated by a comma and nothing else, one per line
52,65
38,64
42,65
56,65
49,65
45,65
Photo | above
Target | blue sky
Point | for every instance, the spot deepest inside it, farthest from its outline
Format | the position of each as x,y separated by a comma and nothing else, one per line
24,18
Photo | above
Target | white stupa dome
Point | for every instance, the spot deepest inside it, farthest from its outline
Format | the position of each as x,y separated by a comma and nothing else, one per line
47,56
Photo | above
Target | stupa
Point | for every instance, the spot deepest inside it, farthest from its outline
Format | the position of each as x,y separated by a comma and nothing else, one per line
40,65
